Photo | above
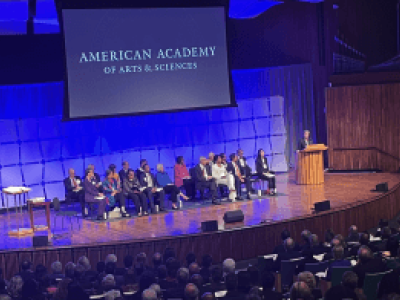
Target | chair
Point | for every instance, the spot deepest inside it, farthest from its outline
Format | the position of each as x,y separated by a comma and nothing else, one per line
337,273
317,267
59,213
371,282
288,270
265,263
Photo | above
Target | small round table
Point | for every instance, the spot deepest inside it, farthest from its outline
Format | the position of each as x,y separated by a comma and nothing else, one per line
46,204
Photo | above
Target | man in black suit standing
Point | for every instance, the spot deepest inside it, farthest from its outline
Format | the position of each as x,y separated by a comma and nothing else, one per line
234,168
304,142
204,180
148,181
123,174
74,189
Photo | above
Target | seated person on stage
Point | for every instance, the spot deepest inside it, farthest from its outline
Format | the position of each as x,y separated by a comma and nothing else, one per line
244,167
222,176
133,190
165,182
96,178
91,192
211,157
223,158
304,142
113,169
123,174
140,171
74,189
263,171
113,192
152,190
182,177
233,168
204,180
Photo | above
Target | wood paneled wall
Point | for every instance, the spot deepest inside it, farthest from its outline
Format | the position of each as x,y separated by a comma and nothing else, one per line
239,244
364,127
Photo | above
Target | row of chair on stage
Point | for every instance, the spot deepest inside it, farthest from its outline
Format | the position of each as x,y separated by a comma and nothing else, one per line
148,190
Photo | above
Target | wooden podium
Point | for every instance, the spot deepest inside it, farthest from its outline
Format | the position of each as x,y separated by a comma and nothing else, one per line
310,165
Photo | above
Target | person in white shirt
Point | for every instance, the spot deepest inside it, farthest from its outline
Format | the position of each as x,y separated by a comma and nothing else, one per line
222,177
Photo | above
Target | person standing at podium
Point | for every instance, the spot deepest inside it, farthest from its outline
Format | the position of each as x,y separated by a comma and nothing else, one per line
304,142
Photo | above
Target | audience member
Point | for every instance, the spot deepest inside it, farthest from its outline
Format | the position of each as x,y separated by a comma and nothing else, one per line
328,237
191,292
228,266
197,280
25,270
287,255
157,260
190,258
367,264
182,281
339,261
149,294
70,270
155,287
309,279
231,287
205,271
268,284
194,268
305,239
389,284
62,290
217,277
353,236
243,278
254,274
300,291
113,295
145,281
15,286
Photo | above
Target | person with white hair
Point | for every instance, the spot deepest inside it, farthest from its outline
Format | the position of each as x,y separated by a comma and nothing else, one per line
229,266
211,158
108,282
112,295
15,287
149,294
111,258
156,287
171,189
305,141
204,179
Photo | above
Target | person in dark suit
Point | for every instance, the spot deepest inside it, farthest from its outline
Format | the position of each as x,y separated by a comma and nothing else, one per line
287,255
234,168
123,173
217,277
232,293
339,261
281,248
367,264
353,236
263,171
91,192
305,141
74,190
204,179
140,171
152,189
242,161
133,190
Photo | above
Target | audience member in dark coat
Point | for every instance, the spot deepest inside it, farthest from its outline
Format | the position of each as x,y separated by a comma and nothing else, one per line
178,291
26,272
280,248
287,255
364,241
353,236
217,277
205,272
338,255
385,236
145,281
172,268
123,174
367,264
268,284
231,287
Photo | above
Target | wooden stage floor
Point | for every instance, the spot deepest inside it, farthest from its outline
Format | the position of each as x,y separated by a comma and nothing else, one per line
293,201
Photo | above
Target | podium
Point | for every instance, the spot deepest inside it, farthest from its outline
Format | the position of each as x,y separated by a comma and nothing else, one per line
310,165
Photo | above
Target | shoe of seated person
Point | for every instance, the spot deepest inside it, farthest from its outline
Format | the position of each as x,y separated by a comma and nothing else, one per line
239,198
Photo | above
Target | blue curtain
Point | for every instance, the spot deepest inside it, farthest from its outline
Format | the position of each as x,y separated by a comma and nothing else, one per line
37,149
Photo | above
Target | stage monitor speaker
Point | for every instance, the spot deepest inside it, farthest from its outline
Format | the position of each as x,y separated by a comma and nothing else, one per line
322,206
381,187
40,241
209,226
234,216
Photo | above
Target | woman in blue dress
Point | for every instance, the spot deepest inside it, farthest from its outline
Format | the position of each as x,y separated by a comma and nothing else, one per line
113,192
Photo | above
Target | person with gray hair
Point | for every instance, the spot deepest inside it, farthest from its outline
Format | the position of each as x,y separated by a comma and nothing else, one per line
204,179
15,287
305,141
56,267
191,292
70,270
300,290
156,287
111,258
149,294
84,262
108,282
112,295
338,255
309,279
229,266
57,275
169,188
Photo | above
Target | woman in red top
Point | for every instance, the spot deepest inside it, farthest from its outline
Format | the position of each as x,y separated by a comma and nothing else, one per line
182,177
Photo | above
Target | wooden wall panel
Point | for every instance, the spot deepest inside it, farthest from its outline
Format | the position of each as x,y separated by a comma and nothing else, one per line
364,127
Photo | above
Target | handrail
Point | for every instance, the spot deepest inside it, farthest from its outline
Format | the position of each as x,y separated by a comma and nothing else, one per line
368,148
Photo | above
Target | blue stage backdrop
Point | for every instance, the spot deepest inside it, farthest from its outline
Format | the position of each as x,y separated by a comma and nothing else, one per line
37,149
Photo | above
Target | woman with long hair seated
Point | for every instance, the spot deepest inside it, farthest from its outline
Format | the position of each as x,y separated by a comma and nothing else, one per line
165,182
223,177
113,192
263,171
113,169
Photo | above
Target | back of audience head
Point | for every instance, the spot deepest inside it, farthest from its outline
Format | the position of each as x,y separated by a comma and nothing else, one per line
288,244
128,261
341,240
70,270
26,265
149,294
157,260
15,286
108,282
40,270
56,267
111,258
207,296
190,258
229,266
84,262
155,287
79,271
191,292
5,297
338,252
364,239
305,235
313,240
216,274
231,282
300,290
183,275
309,279
141,258
206,261
168,252
194,268
350,280
353,230
364,254
197,280
162,272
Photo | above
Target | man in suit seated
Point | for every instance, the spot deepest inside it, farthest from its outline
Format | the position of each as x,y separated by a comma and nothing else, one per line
353,236
152,191
140,171
305,141
204,180
74,189
123,174
234,168
242,161
287,255
281,248
367,264
133,190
